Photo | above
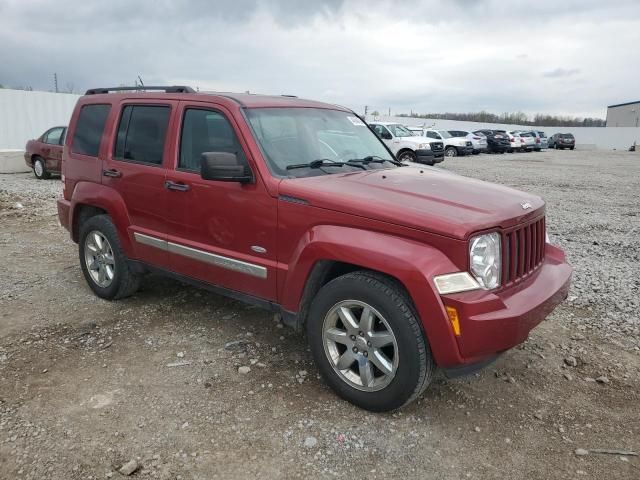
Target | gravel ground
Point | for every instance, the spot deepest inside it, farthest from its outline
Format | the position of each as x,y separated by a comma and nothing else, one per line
153,384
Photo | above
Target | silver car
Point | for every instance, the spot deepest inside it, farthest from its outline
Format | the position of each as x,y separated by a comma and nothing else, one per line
544,141
479,142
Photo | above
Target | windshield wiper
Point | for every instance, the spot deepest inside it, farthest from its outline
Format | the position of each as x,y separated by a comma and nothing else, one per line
323,162
374,159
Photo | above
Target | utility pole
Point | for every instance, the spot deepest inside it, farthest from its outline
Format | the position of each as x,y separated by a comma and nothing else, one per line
55,82
366,110
389,111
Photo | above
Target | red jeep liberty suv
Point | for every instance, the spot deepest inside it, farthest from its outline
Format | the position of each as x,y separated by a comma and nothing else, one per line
296,206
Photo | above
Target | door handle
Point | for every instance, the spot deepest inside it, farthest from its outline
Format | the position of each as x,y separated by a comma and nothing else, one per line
113,173
180,187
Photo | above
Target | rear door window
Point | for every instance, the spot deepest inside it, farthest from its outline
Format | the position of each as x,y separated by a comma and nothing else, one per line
89,128
141,134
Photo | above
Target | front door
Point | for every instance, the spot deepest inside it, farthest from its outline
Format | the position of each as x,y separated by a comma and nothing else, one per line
385,135
223,233
136,168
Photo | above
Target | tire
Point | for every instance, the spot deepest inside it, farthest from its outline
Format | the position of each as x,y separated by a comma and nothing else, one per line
413,364
451,152
571,148
40,169
123,282
407,156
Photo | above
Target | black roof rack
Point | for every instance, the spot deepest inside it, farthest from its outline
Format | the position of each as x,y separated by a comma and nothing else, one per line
168,89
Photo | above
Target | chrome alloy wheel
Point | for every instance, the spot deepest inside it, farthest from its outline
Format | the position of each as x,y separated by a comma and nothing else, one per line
98,257
38,168
360,345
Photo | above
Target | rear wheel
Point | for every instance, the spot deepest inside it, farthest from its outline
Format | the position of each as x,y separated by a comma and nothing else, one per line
40,169
103,262
367,342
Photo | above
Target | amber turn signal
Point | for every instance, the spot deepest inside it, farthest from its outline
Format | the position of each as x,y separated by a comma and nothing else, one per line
454,319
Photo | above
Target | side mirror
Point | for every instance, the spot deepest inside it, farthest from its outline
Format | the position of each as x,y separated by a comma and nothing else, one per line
224,167
386,136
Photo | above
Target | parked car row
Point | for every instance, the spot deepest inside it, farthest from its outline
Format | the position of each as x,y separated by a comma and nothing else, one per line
407,143
430,145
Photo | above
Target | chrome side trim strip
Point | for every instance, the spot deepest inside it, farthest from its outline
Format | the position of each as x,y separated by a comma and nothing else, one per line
217,260
151,241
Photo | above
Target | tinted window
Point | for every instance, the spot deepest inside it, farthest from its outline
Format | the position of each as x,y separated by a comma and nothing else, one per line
54,136
400,130
209,131
379,130
433,135
141,133
89,128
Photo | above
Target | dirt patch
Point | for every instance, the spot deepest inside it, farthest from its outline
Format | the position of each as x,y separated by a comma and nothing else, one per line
89,385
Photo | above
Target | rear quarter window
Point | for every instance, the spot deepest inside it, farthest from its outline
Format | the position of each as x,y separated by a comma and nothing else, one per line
89,128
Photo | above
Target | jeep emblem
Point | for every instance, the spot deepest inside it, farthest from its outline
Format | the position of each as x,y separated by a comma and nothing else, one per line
525,206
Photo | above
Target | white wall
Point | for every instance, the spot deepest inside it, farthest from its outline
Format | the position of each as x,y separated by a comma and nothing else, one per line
25,115
603,138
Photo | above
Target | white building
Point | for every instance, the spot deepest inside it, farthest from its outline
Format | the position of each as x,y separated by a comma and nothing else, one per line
624,115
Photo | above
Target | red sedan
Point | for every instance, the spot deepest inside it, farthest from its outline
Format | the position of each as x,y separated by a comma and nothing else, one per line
44,154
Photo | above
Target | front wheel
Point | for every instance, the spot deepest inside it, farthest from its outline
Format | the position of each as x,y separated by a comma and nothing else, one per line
39,169
451,152
367,342
407,156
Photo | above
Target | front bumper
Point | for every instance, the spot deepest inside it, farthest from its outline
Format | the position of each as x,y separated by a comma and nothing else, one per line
429,156
494,321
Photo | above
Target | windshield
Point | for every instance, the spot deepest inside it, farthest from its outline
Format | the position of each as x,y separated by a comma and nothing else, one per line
444,134
294,136
398,130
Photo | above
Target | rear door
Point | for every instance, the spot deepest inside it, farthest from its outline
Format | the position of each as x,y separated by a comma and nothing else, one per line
136,168
52,148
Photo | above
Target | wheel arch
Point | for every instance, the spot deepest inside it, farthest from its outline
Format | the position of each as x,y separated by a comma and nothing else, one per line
90,199
409,263
404,150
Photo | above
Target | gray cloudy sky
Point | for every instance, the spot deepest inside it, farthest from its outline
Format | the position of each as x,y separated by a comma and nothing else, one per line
561,56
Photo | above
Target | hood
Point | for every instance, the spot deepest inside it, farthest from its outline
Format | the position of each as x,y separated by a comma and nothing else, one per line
427,199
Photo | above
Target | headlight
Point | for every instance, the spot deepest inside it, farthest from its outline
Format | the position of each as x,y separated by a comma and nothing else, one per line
424,146
485,260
